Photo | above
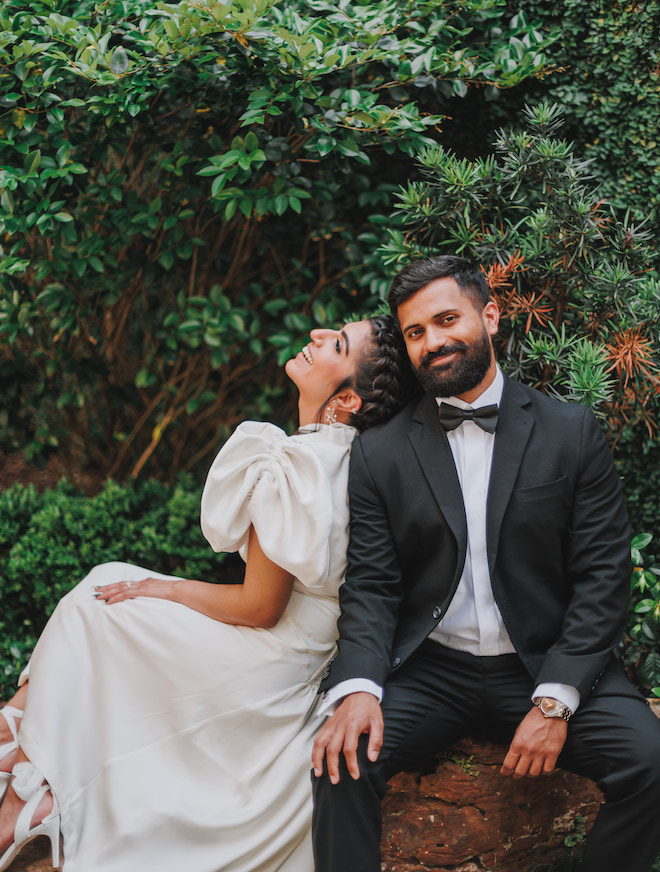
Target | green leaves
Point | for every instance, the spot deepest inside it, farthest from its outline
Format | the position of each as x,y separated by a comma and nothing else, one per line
49,541
152,154
570,279
639,651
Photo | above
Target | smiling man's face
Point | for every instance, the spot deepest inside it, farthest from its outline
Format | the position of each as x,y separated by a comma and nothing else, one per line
448,339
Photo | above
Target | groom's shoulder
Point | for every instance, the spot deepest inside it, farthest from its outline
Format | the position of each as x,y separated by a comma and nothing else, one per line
541,403
397,426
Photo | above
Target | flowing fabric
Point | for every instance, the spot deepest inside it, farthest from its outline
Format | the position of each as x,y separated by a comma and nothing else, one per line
177,743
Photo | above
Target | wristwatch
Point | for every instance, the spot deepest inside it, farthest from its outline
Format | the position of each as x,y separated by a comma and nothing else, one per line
552,708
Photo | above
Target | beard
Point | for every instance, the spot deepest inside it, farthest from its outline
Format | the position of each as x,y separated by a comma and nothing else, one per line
462,375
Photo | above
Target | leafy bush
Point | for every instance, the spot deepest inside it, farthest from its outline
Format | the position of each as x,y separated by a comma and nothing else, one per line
640,651
49,541
580,314
608,82
638,462
181,188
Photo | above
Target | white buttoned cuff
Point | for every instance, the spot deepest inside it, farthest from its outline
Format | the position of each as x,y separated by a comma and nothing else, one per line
352,685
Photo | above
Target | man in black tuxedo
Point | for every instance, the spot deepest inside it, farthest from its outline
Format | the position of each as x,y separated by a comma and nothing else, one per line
487,586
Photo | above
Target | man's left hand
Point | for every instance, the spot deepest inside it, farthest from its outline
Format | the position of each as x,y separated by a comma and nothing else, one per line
536,745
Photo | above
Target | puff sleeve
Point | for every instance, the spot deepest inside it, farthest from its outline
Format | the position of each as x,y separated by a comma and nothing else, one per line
279,485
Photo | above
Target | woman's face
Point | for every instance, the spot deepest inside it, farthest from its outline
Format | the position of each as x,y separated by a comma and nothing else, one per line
328,358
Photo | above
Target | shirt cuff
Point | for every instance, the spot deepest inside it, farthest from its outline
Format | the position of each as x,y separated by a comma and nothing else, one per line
567,695
352,685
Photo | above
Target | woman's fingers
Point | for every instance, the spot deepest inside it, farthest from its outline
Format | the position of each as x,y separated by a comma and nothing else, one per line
115,593
160,588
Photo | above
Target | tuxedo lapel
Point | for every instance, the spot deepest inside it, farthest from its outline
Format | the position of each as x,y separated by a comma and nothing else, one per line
513,430
429,442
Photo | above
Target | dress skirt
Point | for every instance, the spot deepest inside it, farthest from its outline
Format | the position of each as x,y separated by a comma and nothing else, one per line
172,741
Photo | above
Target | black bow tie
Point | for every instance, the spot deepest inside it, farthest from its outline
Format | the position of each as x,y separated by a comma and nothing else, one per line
452,417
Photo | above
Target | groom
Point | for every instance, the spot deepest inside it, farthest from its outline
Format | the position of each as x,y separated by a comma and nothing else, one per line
487,586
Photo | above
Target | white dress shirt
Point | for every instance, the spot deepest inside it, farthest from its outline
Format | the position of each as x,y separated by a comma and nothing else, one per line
473,622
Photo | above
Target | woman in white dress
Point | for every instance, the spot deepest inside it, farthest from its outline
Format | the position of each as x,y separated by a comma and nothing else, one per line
167,723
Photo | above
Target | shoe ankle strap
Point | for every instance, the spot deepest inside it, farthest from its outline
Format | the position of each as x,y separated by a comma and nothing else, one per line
10,713
27,780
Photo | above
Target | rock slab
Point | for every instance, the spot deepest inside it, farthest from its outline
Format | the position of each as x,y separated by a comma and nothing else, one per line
466,817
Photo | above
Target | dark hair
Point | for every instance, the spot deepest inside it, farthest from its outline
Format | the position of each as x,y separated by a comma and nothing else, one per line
420,273
383,378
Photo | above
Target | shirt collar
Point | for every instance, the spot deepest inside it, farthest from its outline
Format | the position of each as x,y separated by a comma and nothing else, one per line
491,396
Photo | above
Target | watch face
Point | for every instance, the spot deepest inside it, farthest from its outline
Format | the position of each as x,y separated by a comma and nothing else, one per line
550,706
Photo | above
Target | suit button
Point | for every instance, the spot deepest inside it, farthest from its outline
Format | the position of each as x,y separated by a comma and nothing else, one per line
396,662
437,612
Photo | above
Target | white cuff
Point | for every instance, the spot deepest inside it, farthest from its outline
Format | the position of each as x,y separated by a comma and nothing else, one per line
566,694
352,685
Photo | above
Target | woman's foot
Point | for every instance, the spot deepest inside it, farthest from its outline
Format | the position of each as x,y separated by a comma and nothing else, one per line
11,807
28,810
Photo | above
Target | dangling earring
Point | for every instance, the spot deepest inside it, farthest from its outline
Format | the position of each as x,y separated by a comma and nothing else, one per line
330,415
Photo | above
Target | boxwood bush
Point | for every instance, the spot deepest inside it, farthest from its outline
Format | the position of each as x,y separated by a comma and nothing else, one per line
50,540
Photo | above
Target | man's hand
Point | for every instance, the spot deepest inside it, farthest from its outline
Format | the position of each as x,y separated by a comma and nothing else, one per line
536,745
358,713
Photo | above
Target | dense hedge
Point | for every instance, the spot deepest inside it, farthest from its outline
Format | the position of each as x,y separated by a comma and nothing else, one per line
182,187
606,77
49,541
608,83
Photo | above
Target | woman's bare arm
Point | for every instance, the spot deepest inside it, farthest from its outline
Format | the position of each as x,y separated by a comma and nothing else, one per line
258,602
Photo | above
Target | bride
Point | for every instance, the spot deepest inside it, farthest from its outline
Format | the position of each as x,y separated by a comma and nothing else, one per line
167,723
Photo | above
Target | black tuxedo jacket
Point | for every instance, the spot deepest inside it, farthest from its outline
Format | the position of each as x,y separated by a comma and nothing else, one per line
557,535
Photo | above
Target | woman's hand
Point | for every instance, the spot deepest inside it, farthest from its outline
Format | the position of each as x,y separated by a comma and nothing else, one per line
161,588
259,602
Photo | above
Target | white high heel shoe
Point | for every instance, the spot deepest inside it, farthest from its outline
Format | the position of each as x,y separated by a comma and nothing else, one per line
29,785
9,713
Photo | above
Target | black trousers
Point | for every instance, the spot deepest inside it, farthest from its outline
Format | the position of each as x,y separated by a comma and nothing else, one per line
440,695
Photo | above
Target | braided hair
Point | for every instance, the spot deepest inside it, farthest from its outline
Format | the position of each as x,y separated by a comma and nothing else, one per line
383,378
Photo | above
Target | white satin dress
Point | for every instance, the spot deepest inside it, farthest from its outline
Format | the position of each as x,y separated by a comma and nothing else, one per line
177,743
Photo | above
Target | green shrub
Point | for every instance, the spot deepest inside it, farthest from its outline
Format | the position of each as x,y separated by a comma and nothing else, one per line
580,313
49,541
606,77
640,651
14,654
181,188
638,462
608,83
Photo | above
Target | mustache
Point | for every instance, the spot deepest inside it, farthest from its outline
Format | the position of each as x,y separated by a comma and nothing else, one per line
430,356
